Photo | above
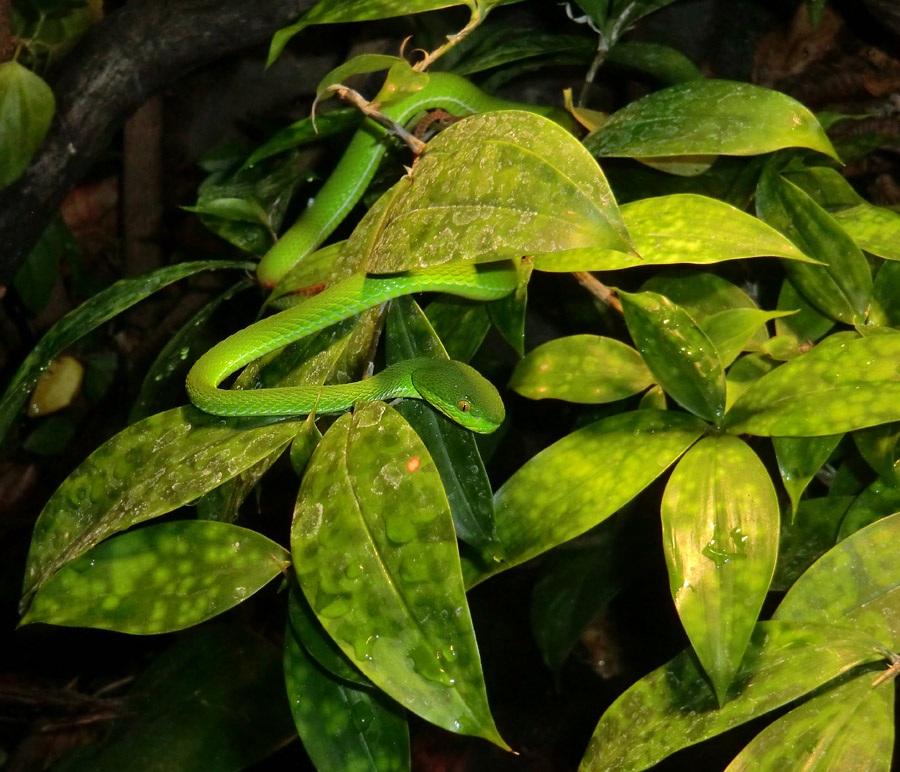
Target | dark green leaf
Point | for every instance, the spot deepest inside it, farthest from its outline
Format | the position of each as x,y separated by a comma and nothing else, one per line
581,368
38,274
461,325
150,468
878,446
680,355
26,109
705,117
88,316
305,131
662,62
159,578
885,309
807,324
720,536
878,500
673,707
743,373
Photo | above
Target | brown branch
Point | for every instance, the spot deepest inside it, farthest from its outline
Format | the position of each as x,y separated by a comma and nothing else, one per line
132,54
598,289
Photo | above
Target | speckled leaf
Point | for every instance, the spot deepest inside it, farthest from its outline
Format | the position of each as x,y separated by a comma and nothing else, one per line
743,373
848,729
344,727
799,458
807,324
681,228
879,499
581,368
734,330
806,536
878,446
150,468
26,109
885,309
701,293
88,316
673,707
681,357
452,448
842,288
705,117
856,379
211,702
604,466
160,578
375,553
495,185
858,576
720,524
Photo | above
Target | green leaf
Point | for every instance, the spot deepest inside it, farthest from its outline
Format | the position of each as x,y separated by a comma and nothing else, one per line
160,578
701,293
681,228
36,277
88,316
858,576
806,535
806,324
305,131
212,702
343,726
662,62
361,65
850,727
150,468
26,109
857,379
496,185
581,368
681,357
885,308
375,553
878,500
673,707
734,330
452,448
605,465
842,288
799,458
743,373
708,117
878,446
720,524
460,324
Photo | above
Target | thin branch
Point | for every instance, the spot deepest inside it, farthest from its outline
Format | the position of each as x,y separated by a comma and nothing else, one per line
598,289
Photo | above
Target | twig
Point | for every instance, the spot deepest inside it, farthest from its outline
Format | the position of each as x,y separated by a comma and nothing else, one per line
371,110
598,289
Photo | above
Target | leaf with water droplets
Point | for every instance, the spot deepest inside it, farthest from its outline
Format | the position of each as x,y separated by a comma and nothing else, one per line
496,185
840,289
375,554
160,578
604,466
720,524
852,580
146,470
581,368
680,355
673,707
343,726
704,117
680,228
838,386
799,458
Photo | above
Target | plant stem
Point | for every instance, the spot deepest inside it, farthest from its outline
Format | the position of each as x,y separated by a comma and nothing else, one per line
598,289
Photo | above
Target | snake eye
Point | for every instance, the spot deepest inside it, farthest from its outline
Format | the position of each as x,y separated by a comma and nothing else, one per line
464,405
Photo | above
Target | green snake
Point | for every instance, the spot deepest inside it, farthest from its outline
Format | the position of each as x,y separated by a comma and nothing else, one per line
454,388
353,173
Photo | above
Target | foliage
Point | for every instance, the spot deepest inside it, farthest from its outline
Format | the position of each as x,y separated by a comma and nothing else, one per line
395,517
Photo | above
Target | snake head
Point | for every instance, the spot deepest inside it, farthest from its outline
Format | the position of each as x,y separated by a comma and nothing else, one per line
461,393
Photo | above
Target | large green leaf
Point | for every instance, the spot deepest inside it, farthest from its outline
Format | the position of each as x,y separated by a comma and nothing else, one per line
88,316
855,578
842,288
160,578
878,446
26,109
838,386
878,500
799,458
807,324
452,447
704,117
720,536
885,309
673,707
682,358
495,185
375,554
581,368
212,702
150,468
680,228
344,727
847,729
736,329
604,466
